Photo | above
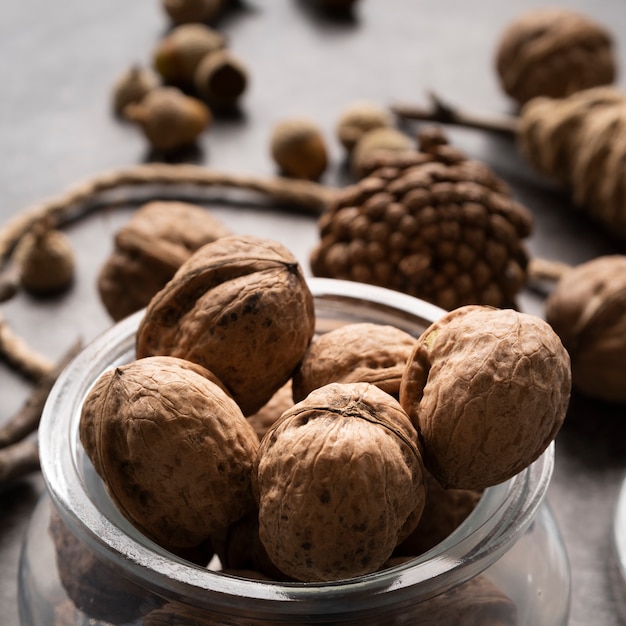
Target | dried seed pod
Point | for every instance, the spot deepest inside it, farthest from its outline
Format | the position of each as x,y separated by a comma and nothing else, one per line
432,224
45,258
239,306
298,147
313,467
265,417
385,139
178,54
132,86
186,11
359,118
488,390
170,119
172,448
221,78
587,309
355,353
554,52
149,249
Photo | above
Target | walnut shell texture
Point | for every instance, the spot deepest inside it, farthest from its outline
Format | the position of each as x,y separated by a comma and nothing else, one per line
312,471
240,307
269,413
173,449
359,352
488,390
149,248
587,309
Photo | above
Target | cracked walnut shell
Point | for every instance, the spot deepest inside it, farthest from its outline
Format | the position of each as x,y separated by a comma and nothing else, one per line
240,307
313,469
488,390
173,449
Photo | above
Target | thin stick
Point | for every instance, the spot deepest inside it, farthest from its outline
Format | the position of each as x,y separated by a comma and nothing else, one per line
444,113
545,269
19,355
9,283
18,460
26,420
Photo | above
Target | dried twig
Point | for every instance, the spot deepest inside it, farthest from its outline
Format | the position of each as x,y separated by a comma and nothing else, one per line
19,355
9,282
18,460
26,420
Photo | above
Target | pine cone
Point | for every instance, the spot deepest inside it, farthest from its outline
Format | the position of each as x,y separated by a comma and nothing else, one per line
433,224
554,52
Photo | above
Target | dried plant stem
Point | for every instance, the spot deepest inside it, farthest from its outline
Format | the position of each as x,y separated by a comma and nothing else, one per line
18,460
307,195
545,269
26,420
444,113
20,356
9,282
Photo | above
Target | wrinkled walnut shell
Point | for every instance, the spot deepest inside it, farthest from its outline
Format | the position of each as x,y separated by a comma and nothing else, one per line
269,413
587,309
488,390
149,249
355,353
172,448
313,470
240,307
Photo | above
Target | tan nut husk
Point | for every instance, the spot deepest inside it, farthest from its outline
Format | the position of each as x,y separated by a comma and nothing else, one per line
359,118
314,467
385,139
132,86
554,52
239,306
431,223
221,78
488,390
587,309
359,352
172,448
156,241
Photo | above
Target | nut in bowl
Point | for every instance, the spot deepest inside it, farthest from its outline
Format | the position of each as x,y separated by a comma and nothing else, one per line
505,563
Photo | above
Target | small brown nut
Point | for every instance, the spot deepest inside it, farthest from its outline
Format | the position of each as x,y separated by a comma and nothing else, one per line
298,147
359,352
187,11
221,78
156,241
132,86
239,306
488,390
312,471
587,309
357,119
169,118
384,139
178,54
172,448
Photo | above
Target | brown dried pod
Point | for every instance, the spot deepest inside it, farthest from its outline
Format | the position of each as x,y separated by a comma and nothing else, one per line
239,306
385,139
430,223
359,118
587,309
221,78
132,86
178,54
299,149
156,241
170,119
359,352
554,51
263,419
488,389
313,467
45,258
444,511
186,11
172,448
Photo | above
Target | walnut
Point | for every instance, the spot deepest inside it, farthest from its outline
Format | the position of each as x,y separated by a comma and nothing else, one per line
172,448
312,471
263,419
554,52
488,390
149,249
587,309
239,306
358,352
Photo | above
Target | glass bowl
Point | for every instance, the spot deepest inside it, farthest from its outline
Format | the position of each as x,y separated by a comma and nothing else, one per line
83,563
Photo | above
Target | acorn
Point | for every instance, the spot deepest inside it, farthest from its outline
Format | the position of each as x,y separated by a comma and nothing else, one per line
185,11
178,54
132,86
170,119
221,78
382,139
359,118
